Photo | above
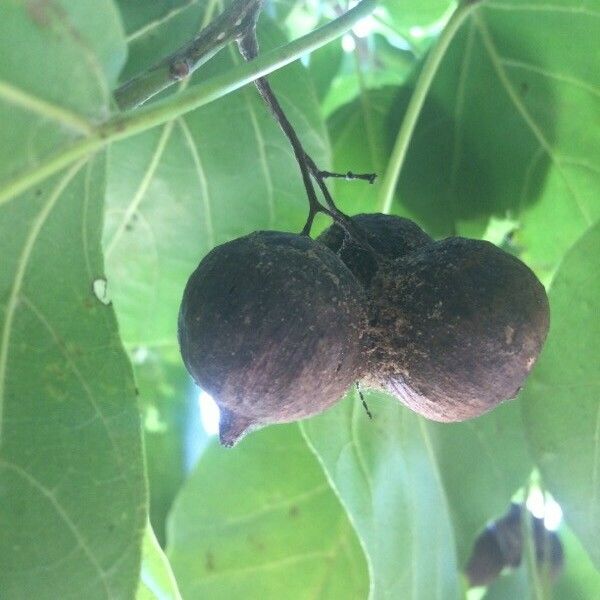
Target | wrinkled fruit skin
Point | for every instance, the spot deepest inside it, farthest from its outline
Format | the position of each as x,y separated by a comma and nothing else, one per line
271,325
456,327
390,236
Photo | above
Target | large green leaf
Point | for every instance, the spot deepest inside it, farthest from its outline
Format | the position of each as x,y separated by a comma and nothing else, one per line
387,477
157,581
482,462
260,521
218,173
511,127
72,490
561,404
523,109
58,61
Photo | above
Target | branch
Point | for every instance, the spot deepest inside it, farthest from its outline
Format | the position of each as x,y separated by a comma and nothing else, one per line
227,27
134,122
248,46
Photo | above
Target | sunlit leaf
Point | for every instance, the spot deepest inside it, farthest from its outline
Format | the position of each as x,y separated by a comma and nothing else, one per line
415,13
170,423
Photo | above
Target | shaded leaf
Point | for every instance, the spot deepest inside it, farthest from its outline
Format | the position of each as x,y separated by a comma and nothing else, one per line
387,477
482,463
561,404
260,521
523,111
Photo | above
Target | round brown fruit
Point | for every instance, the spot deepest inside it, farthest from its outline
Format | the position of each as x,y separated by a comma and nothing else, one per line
271,325
390,237
456,327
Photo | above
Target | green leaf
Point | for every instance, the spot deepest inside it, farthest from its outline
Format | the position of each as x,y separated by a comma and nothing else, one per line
324,65
260,521
58,61
561,404
387,477
157,581
580,578
522,126
510,129
72,490
213,175
482,463
141,18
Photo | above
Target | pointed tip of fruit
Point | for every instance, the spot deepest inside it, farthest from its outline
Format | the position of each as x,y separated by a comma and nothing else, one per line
233,427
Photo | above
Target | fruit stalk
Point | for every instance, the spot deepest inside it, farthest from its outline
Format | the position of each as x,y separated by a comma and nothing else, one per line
226,28
248,46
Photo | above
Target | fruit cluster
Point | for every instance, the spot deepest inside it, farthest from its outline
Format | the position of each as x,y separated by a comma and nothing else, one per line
277,326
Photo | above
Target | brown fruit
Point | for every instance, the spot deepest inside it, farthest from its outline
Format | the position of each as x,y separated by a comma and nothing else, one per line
390,237
271,325
456,327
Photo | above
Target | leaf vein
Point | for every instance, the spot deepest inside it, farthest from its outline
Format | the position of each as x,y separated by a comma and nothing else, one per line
22,264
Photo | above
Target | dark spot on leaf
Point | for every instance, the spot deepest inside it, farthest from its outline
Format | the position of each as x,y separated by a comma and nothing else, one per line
40,12
294,511
524,88
256,543
209,562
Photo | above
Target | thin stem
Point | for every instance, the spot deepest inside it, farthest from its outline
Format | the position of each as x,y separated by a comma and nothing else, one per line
134,122
227,27
349,176
426,77
248,45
